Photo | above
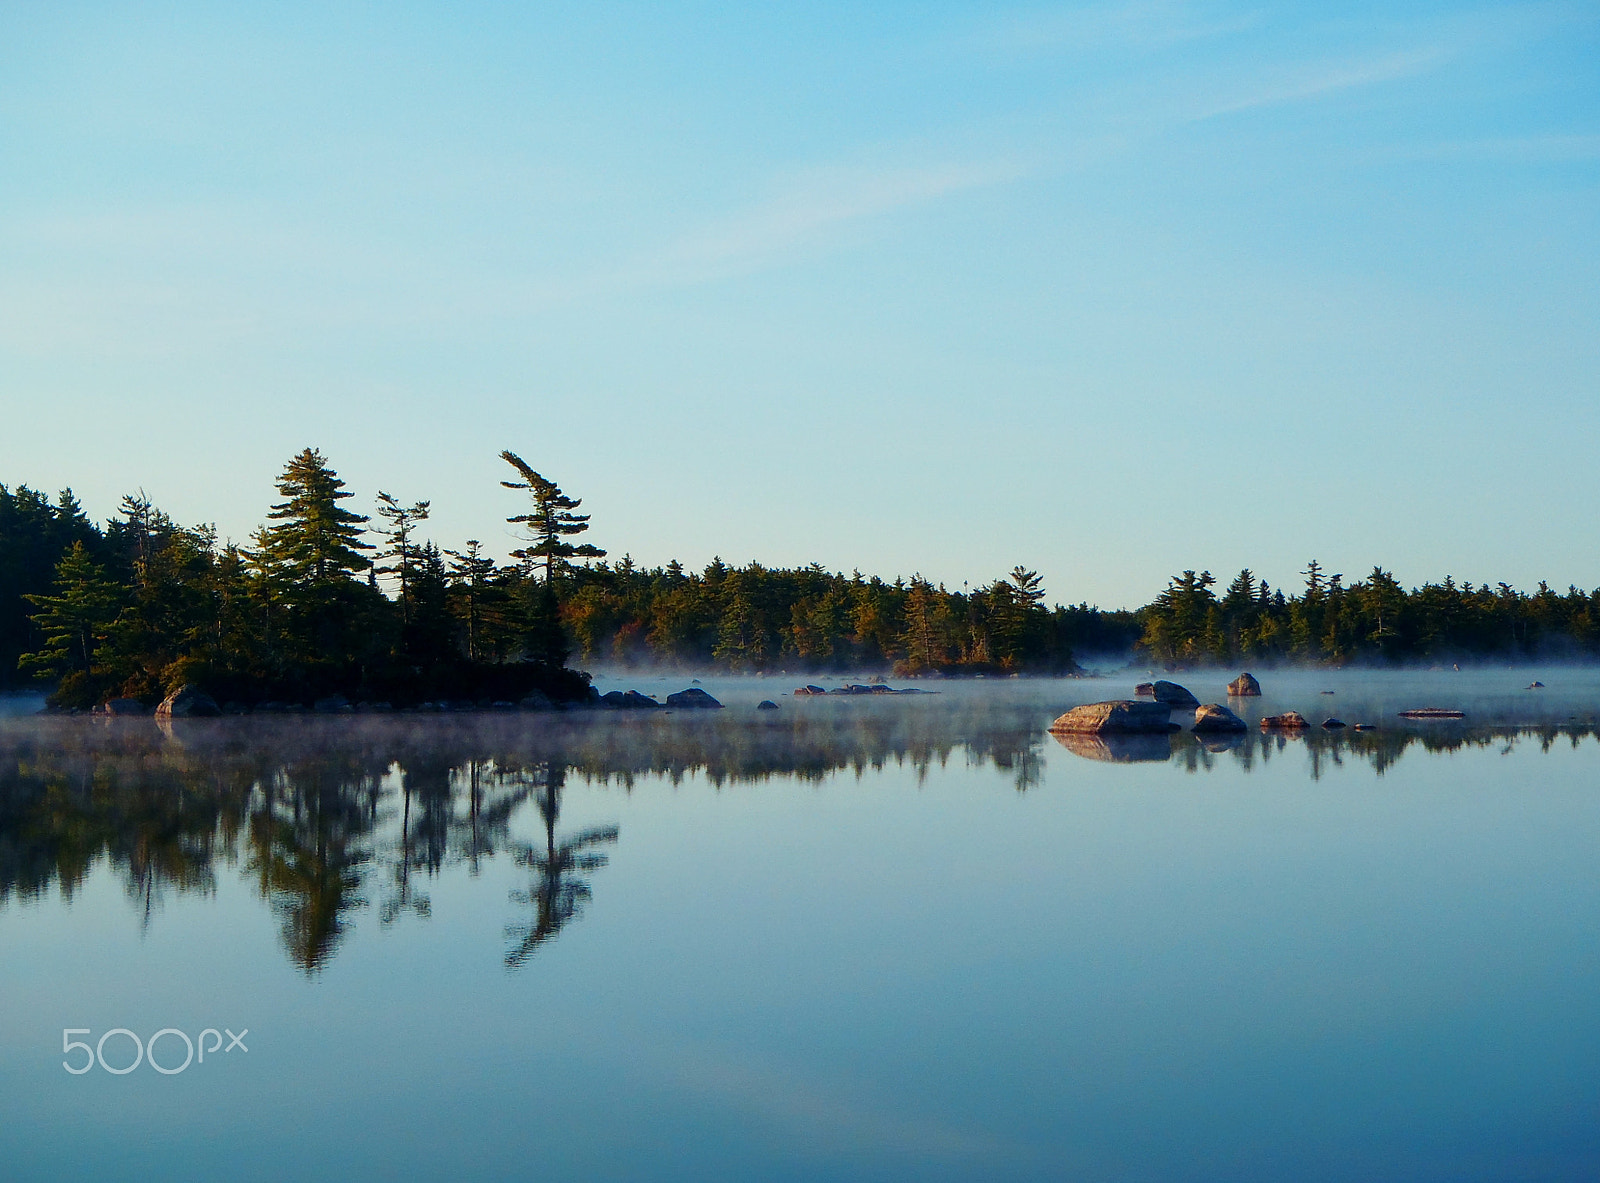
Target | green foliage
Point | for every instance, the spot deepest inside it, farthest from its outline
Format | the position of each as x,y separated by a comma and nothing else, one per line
547,527
75,621
147,604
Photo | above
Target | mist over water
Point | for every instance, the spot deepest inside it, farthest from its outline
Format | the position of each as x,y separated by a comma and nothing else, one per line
858,937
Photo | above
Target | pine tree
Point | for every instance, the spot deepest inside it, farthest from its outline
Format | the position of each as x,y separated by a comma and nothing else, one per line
471,573
322,618
74,622
402,520
317,542
548,527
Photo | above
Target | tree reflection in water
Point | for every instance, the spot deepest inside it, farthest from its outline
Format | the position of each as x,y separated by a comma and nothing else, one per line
558,890
319,812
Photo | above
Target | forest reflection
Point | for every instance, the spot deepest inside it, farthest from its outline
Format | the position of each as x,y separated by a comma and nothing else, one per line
327,817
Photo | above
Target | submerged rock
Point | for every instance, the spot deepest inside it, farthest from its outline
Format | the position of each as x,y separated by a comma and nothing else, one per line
695,698
804,691
766,704
1288,721
1174,695
1244,686
1531,686
1119,717
1333,724
188,702
1216,717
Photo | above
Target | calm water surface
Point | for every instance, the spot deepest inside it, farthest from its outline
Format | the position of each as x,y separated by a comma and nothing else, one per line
912,938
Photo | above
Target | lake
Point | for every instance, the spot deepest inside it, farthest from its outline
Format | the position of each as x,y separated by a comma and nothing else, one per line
855,938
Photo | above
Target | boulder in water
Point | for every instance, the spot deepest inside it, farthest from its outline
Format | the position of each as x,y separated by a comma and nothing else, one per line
1288,721
694,698
1244,686
1174,695
1119,717
766,704
1333,724
1216,717
630,700
188,702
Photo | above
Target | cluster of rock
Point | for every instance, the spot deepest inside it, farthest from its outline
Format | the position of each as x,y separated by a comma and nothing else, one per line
1167,692
857,688
630,700
190,702
1151,713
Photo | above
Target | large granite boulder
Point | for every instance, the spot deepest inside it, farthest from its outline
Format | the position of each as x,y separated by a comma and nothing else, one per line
694,698
1173,695
188,702
1244,686
1119,717
1215,717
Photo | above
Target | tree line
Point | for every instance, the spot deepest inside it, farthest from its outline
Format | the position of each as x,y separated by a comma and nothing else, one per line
326,600
1373,620
322,601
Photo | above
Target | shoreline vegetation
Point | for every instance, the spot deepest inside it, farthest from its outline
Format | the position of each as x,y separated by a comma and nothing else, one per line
325,603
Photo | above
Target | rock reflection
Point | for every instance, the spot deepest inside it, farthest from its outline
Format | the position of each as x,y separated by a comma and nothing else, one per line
1116,749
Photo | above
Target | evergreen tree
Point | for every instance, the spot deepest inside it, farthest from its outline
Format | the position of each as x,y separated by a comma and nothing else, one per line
74,622
326,623
401,521
551,523
470,574
316,544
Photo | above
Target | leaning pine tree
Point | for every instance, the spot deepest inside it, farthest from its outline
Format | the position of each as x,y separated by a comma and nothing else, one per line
547,529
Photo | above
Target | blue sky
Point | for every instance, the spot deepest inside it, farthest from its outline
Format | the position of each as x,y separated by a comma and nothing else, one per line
1107,290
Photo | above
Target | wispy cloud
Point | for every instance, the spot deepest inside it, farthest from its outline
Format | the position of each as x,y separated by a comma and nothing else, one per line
1308,83
801,215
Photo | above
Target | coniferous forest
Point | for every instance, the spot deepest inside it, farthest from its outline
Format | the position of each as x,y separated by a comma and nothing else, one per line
325,599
